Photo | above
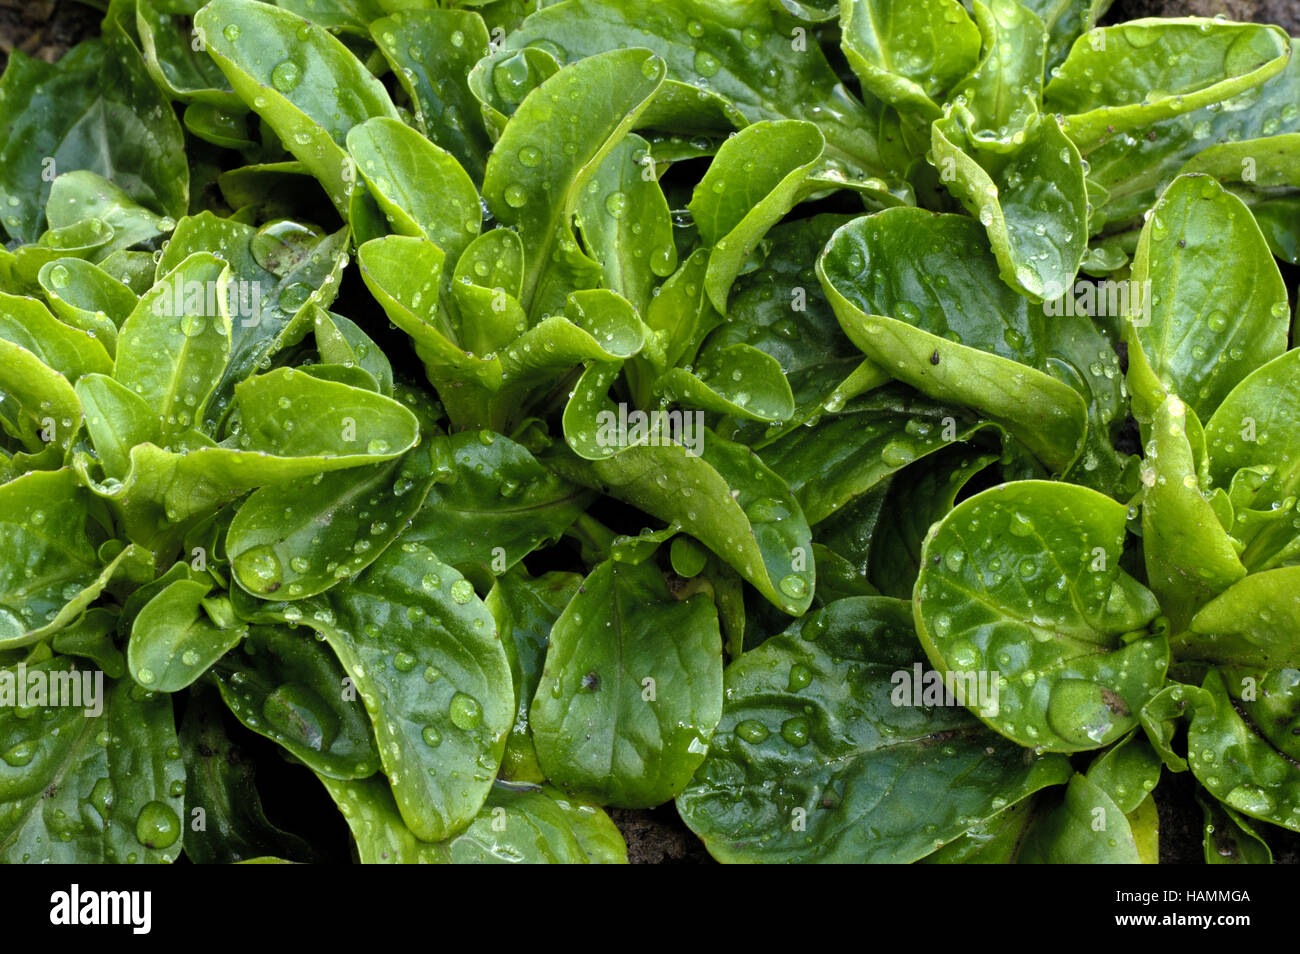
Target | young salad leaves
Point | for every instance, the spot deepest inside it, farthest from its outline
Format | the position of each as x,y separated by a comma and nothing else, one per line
872,429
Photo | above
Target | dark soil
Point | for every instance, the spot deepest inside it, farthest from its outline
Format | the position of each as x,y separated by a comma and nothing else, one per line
46,28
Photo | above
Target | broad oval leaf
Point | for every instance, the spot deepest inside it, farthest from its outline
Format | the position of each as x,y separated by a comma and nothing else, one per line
69,797
295,540
738,199
534,186
286,686
174,346
631,690
1252,623
1174,65
1218,306
910,55
824,754
302,81
423,653
1024,580
420,186
920,295
174,639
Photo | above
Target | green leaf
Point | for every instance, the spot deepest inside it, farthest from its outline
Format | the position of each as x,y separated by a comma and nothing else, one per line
1229,838
1236,764
519,824
286,686
526,609
1161,718
1173,65
79,800
39,402
96,109
494,505
91,637
725,497
288,414
351,16
887,547
1218,306
625,225
1127,771
298,539
117,419
340,341
995,841
1189,556
69,351
632,688
1268,700
273,290
1025,580
734,379
175,638
752,56
87,297
84,200
304,83
175,344
501,80
176,60
535,187
739,199
814,760
920,295
424,655
431,53
1131,171
1000,96
1251,623
909,55
530,824
1066,21
1030,197
780,309
834,462
421,187
292,425
1257,427
47,558
1086,828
